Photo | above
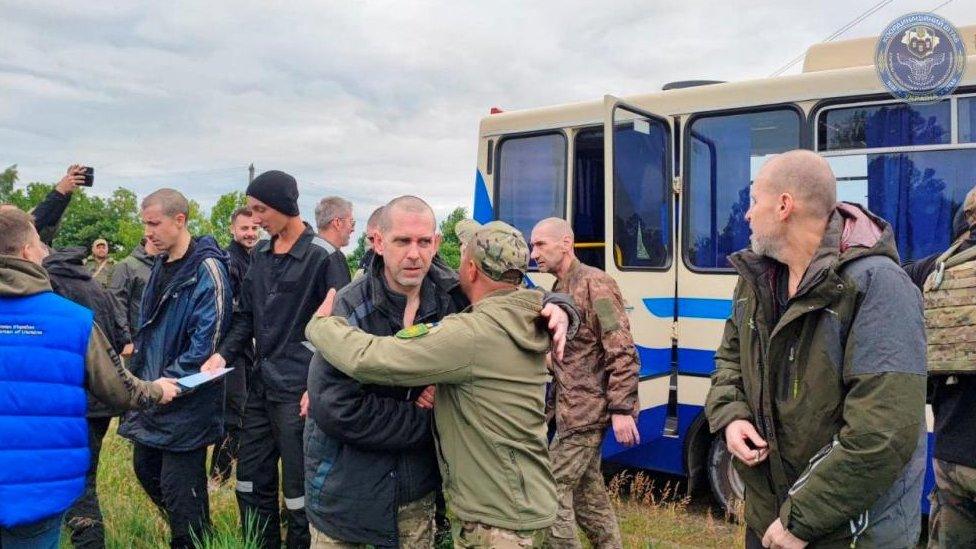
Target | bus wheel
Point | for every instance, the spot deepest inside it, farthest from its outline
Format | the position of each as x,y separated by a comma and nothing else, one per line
726,485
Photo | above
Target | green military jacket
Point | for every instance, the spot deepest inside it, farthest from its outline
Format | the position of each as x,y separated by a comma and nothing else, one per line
836,386
490,428
102,273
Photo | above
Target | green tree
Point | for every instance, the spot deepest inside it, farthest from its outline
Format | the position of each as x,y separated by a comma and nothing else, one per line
450,249
221,212
357,254
7,180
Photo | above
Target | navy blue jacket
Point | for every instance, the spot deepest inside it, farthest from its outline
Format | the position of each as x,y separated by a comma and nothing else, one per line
178,332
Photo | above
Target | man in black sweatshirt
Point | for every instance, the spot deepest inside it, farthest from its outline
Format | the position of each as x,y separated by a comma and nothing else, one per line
289,277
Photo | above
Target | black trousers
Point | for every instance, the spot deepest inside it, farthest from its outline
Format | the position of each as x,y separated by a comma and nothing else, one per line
84,519
235,395
272,431
177,483
753,541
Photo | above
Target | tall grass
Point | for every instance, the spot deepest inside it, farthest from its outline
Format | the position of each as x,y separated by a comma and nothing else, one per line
650,514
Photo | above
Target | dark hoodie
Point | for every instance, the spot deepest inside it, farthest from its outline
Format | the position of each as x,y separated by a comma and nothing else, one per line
836,386
180,324
70,279
128,282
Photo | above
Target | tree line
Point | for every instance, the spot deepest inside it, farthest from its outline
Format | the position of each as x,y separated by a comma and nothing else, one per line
116,218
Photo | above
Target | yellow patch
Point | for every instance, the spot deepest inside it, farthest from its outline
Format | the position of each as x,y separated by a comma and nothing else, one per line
415,331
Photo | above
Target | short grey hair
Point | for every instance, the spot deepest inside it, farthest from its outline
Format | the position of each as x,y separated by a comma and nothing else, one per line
405,203
329,208
807,176
171,201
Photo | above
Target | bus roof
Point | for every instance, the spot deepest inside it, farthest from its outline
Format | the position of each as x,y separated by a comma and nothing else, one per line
831,70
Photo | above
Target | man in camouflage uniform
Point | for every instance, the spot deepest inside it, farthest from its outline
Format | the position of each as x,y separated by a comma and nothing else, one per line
952,516
488,365
99,264
595,384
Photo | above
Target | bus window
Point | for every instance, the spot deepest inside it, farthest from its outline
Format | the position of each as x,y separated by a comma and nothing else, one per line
724,154
886,125
588,197
967,119
531,180
917,192
641,194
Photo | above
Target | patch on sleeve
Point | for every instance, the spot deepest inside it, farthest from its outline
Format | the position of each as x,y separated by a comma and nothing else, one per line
606,314
415,331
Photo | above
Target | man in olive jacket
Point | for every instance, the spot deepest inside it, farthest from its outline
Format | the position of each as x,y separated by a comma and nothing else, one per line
490,372
819,384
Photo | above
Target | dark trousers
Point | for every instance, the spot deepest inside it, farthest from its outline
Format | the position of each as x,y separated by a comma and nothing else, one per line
272,431
84,519
753,541
225,450
177,483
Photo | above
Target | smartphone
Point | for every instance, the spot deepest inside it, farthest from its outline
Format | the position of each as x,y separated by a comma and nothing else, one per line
89,174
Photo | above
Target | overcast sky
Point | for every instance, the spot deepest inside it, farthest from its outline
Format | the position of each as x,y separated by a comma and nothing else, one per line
364,99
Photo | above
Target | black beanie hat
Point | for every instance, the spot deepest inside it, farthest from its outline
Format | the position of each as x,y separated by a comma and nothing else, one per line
276,189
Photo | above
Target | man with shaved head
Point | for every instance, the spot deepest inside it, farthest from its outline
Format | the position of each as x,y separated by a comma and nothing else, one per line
186,310
595,385
819,383
377,436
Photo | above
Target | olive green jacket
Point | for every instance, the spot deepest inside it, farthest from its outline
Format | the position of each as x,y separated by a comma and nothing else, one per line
490,428
836,387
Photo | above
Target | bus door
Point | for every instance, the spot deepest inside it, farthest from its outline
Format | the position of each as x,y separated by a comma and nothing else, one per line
640,257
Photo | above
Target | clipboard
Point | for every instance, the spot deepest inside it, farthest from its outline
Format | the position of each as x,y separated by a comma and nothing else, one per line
190,383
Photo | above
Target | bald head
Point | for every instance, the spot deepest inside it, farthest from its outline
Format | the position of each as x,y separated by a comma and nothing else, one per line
806,176
555,228
404,204
552,246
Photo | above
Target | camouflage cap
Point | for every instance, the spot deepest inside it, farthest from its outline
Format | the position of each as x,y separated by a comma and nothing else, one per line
498,249
99,241
465,229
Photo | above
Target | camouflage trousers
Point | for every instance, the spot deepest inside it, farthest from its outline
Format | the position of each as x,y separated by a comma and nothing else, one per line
474,535
415,527
581,493
952,517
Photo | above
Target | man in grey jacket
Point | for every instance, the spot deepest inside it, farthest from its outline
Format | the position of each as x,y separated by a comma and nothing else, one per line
128,282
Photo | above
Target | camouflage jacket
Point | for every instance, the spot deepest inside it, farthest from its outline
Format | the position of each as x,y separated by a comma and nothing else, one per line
599,371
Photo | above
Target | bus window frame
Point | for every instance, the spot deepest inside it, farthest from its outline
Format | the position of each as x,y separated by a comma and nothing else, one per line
669,189
881,98
804,143
571,186
496,178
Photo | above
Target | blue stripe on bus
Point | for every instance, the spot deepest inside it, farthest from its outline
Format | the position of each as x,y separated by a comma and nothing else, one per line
655,362
656,452
689,307
483,212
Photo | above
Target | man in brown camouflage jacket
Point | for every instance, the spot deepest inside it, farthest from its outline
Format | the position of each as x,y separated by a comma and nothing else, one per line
595,384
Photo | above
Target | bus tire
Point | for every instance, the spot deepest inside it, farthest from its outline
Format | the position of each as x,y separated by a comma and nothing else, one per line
726,485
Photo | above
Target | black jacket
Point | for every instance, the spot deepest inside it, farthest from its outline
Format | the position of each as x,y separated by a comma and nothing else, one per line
369,448
128,283
278,297
70,279
47,215
953,405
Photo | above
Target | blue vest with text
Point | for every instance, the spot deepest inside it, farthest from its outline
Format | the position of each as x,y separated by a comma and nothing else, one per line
43,434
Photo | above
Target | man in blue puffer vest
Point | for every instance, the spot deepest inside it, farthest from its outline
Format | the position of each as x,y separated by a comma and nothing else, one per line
186,310
50,352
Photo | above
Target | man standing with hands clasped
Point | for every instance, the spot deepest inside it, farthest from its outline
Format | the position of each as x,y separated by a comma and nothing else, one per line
596,384
819,382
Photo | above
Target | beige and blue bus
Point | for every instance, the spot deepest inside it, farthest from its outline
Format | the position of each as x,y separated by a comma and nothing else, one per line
656,187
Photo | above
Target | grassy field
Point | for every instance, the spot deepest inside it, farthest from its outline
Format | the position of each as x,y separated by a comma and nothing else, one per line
650,514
